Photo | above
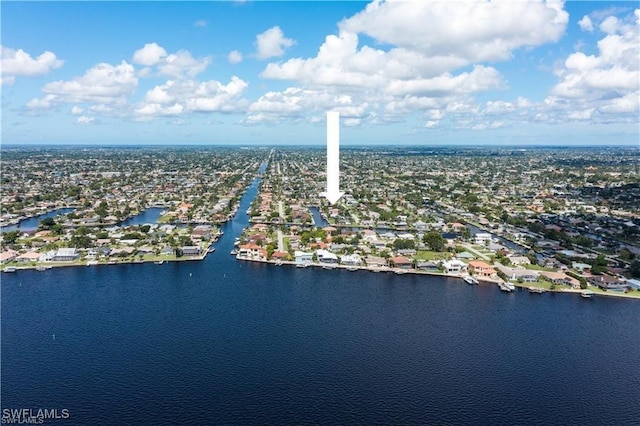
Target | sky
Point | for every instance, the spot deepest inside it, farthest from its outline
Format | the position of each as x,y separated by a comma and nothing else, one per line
506,72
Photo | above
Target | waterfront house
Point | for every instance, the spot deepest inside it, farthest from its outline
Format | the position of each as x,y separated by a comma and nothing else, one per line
191,251
454,266
560,278
515,274
401,262
481,269
375,261
7,256
428,266
351,260
302,257
325,256
30,256
280,255
66,254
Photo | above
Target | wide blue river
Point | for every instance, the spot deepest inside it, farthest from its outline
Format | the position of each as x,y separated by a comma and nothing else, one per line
229,342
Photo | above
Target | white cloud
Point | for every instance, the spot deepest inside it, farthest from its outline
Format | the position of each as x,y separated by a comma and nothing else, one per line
586,24
151,54
176,97
422,47
104,83
175,65
44,103
85,120
606,80
200,23
297,103
474,30
76,110
609,25
272,43
20,63
234,57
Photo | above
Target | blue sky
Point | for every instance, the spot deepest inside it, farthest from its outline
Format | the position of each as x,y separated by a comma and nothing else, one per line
254,72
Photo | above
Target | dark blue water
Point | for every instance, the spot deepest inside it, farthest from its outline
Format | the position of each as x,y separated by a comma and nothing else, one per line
32,223
318,220
229,342
148,216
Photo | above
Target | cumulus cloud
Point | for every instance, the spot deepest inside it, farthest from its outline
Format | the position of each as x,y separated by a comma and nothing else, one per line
200,23
76,110
149,55
428,54
20,63
471,30
176,97
234,57
586,24
272,43
608,79
176,65
104,83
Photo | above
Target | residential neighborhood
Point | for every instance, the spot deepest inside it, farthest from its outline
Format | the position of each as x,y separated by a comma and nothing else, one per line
542,218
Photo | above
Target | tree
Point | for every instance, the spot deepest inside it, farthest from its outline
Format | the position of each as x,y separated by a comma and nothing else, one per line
434,240
47,222
11,237
634,269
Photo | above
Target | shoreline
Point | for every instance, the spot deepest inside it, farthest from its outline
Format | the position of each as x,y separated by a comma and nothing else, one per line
482,280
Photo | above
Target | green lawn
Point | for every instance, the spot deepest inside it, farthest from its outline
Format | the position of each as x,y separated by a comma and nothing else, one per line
431,255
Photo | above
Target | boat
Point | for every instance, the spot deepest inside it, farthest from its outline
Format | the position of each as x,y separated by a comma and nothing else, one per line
400,271
158,262
302,265
92,262
40,268
211,249
510,286
470,280
352,268
536,290
503,287
234,252
278,262
586,294
10,269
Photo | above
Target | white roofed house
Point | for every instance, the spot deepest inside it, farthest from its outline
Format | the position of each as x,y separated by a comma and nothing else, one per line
303,257
66,254
325,256
454,266
482,238
351,259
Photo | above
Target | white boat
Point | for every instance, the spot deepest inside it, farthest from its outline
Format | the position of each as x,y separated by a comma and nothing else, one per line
400,271
10,269
470,280
302,265
510,286
211,249
92,262
159,262
352,268
234,252
586,294
40,268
